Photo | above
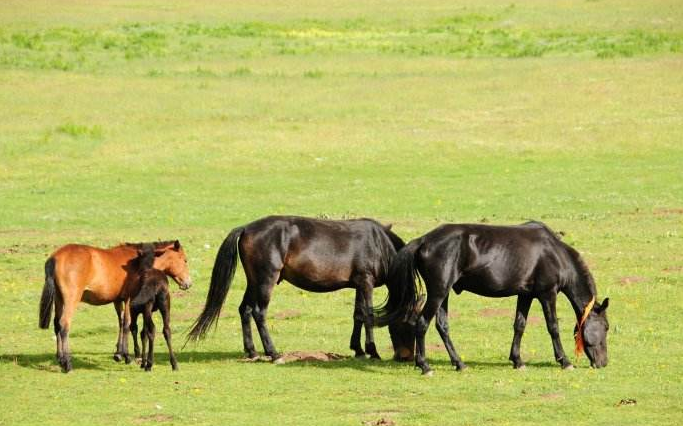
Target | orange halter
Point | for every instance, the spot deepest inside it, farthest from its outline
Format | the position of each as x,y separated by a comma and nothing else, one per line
578,336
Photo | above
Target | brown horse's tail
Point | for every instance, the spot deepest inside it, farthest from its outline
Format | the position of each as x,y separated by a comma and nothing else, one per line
221,278
404,298
48,297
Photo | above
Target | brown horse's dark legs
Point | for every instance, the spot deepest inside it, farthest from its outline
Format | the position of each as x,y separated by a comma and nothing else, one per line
442,328
358,318
523,305
245,311
166,316
548,305
118,355
64,326
59,308
370,348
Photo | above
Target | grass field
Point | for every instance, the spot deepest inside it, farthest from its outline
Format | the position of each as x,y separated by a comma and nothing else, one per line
144,120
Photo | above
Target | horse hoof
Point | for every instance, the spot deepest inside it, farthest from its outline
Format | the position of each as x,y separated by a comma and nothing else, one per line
360,355
568,367
118,357
460,367
428,373
520,367
279,361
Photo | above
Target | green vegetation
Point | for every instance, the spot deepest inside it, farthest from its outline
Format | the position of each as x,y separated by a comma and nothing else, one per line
134,121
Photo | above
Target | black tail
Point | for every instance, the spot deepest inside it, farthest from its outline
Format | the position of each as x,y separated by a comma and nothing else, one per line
405,289
48,297
221,278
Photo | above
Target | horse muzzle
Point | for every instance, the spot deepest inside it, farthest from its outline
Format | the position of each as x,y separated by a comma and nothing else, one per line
184,285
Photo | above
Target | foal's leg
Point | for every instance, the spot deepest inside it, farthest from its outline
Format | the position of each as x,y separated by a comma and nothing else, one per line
262,290
523,305
149,332
165,311
358,318
367,286
143,342
442,328
245,310
134,333
548,305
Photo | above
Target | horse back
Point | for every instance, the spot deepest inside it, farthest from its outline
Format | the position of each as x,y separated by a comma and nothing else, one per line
91,274
499,261
319,255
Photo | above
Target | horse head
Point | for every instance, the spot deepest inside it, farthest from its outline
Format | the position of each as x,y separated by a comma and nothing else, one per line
172,260
594,333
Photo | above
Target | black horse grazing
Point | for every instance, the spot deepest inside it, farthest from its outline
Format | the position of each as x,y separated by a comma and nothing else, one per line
315,255
153,295
528,261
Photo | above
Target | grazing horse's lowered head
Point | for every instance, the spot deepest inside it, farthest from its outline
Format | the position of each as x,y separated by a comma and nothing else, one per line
591,334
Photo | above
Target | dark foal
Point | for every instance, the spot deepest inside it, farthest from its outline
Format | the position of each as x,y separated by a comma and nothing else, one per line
314,255
153,295
528,261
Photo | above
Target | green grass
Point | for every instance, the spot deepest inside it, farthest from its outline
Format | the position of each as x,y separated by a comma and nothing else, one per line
133,121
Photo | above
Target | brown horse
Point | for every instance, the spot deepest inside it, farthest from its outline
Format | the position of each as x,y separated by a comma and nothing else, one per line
99,276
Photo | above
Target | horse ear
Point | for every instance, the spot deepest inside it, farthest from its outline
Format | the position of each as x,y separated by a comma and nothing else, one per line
604,304
140,253
388,227
176,245
158,253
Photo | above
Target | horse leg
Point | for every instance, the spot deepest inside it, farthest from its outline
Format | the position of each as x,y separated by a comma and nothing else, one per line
262,291
358,318
548,305
150,331
442,328
245,310
134,333
367,287
125,331
64,326
118,355
59,309
523,305
143,342
165,311
428,312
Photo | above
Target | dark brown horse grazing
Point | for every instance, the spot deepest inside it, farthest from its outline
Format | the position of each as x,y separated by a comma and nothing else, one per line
153,295
315,255
98,276
528,261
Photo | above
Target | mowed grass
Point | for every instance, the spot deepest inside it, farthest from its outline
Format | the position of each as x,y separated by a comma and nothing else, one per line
136,121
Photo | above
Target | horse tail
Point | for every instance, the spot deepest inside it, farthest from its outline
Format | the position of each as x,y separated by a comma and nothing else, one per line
405,289
48,297
221,278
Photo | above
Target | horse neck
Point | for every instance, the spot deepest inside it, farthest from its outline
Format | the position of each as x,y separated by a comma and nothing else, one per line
579,292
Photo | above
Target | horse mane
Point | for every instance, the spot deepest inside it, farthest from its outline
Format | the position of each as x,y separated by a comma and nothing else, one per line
395,239
154,244
581,268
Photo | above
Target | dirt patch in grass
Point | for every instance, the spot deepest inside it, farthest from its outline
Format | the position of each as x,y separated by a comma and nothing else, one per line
673,269
668,212
551,396
287,314
495,312
435,347
631,280
382,421
534,320
154,418
295,356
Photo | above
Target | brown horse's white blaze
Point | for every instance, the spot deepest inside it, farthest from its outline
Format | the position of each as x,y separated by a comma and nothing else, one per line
97,276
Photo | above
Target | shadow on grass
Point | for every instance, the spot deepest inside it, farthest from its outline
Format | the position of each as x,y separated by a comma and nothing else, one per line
48,362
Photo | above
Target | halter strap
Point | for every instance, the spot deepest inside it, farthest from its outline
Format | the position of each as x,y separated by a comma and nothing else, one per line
578,336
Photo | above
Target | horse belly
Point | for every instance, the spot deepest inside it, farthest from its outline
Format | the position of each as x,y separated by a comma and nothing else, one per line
483,287
93,298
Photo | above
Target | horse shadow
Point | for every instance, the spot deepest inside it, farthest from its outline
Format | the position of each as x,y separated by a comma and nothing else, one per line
48,362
